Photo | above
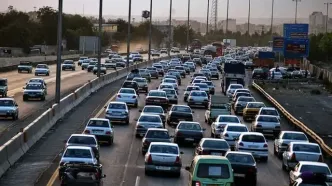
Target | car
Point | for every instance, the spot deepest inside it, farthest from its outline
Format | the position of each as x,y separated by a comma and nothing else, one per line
163,157
181,70
242,90
133,74
232,132
34,91
81,59
179,113
68,65
128,96
231,89
3,87
171,77
308,166
285,137
251,110
188,91
42,69
254,143
163,51
103,69
77,154
175,50
37,80
121,63
131,84
211,86
309,178
198,97
277,75
198,61
173,82
153,72
147,121
259,73
159,68
210,146
171,95
142,84
165,85
155,135
218,126
155,53
155,110
117,112
91,65
271,111
203,87
266,124
191,66
197,80
24,66
86,140
157,97
300,151
85,63
244,166
177,74
210,170
9,108
198,75
110,64
145,74
237,95
188,132
241,103
214,73
101,128
207,73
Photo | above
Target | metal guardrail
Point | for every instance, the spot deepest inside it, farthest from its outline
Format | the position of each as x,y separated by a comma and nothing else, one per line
285,80
296,122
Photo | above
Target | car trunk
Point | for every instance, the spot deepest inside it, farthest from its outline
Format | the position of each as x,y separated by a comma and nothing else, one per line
181,116
163,159
212,151
242,168
307,156
190,134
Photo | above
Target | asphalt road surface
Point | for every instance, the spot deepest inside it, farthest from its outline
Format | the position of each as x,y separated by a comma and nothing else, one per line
123,162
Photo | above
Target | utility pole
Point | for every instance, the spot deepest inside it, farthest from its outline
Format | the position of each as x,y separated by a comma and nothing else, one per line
207,17
327,16
272,14
248,23
296,3
59,51
100,36
128,37
227,16
170,28
188,26
150,30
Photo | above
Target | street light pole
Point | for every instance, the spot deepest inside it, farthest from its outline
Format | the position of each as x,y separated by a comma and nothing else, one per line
59,51
327,16
227,16
128,37
296,3
271,28
248,22
188,26
100,36
150,30
170,28
207,18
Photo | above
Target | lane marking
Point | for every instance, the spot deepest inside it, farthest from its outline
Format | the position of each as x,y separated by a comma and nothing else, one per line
138,179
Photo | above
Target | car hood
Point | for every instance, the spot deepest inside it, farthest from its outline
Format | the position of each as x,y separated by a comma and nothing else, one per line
2,87
6,108
32,91
41,69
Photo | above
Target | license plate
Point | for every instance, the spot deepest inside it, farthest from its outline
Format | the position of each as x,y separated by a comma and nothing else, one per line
116,113
252,146
189,139
97,132
268,130
239,175
163,168
216,153
157,100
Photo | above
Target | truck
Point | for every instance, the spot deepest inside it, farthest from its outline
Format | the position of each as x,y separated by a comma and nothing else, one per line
219,105
264,59
234,73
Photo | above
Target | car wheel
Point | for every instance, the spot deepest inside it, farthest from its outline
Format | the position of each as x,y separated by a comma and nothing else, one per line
147,173
43,98
82,68
212,135
283,166
36,74
110,141
136,105
18,71
274,150
48,74
143,153
25,99
137,135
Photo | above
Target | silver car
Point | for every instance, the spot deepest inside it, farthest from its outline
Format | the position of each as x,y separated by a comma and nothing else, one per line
266,124
146,121
8,108
103,69
110,64
300,151
232,132
142,84
198,98
128,96
85,64
171,81
171,95
191,66
188,91
117,112
241,103
219,125
285,137
86,140
203,87
68,64
153,72
163,157
271,111
42,69
101,128
211,86
155,110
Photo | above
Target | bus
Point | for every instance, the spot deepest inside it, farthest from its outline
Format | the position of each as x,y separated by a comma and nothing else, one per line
219,48
195,44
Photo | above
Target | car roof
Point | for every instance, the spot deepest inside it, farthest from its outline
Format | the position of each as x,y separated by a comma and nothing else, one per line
148,114
213,139
34,83
79,147
209,157
99,119
239,152
294,132
82,135
117,102
252,133
198,91
42,64
256,102
191,122
127,89
268,108
36,79
164,143
156,90
233,116
7,99
313,163
158,129
152,106
303,142
267,116
168,89
236,125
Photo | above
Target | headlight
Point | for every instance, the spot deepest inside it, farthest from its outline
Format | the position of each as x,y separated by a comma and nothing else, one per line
10,111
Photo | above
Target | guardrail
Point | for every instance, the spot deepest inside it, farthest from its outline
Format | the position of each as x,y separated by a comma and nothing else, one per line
18,145
282,81
296,122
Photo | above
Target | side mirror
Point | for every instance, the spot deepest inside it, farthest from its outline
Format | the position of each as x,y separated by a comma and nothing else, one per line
187,168
181,152
139,110
105,107
104,176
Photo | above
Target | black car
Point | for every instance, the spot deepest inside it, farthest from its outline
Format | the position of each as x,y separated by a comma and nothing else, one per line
244,167
131,84
259,74
157,97
188,132
154,135
179,113
212,146
24,66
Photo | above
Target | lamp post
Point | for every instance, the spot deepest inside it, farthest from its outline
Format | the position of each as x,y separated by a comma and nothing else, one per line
327,16
128,37
248,22
227,16
188,26
207,17
272,14
150,31
296,3
170,28
59,51
100,36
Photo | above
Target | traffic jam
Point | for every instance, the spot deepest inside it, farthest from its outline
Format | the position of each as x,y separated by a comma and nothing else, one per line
226,147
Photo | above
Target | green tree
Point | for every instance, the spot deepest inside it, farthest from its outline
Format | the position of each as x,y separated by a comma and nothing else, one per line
325,45
180,35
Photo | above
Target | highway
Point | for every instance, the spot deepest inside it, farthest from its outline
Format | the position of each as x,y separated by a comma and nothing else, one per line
29,110
123,162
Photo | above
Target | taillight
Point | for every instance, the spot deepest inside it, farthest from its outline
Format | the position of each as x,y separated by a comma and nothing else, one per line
87,132
265,145
108,132
320,159
197,183
179,134
241,144
178,160
97,174
146,143
251,170
293,157
150,159
226,135
119,96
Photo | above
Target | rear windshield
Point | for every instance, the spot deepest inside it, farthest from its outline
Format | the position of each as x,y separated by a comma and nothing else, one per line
82,140
127,91
208,83
41,66
140,80
198,94
229,119
170,91
129,84
157,134
248,99
315,169
236,87
269,112
157,94
253,138
78,153
189,126
306,148
267,119
294,136
195,75
153,109
98,123
237,129
155,119
215,144
181,109
240,158
213,171
117,106
201,85
192,88
255,105
168,149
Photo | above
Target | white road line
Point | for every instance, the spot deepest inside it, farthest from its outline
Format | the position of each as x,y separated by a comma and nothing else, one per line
128,159
137,181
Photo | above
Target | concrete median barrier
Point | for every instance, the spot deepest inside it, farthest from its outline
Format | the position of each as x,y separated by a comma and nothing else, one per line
14,149
4,164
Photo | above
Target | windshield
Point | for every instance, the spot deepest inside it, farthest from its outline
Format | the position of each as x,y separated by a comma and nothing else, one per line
226,119
256,105
306,148
78,153
83,58
237,129
236,86
169,81
198,80
215,144
141,80
253,138
240,158
165,86
41,66
195,75
155,119
190,126
315,169
267,119
153,109
170,91
68,62
3,83
82,140
181,109
157,134
244,99
294,136
202,85
192,88
214,171
157,94
269,112
209,83
6,103
167,149
127,91
33,86
117,106
98,123
198,94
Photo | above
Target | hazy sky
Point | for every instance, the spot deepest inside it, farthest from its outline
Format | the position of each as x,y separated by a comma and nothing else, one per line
238,8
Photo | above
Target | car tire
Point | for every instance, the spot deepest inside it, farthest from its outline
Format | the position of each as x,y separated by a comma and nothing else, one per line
137,136
274,150
110,141
283,166
212,135
48,74
25,99
43,98
136,105
147,173
143,153
82,68
18,71
36,74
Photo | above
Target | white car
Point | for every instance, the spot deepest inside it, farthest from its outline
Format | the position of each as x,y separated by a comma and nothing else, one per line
231,89
127,95
101,128
42,69
285,137
232,132
271,111
266,124
218,126
255,143
277,75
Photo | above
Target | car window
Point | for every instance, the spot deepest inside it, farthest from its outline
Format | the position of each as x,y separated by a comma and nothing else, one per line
216,144
6,103
170,91
198,94
127,91
33,86
157,134
78,153
155,119
315,169
164,149
98,123
192,88
237,129
236,86
267,119
240,158
253,138
82,140
201,85
153,109
229,119
68,62
209,83
157,94
294,136
189,126
42,66
140,80
256,105
269,112
213,171
306,148
181,109
117,106
246,99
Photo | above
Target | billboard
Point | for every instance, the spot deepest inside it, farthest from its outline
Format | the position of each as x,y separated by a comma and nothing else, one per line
88,44
109,28
296,31
296,48
266,55
278,44
292,62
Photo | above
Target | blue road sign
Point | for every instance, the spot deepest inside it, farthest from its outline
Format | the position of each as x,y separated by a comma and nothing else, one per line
296,48
266,55
278,44
296,31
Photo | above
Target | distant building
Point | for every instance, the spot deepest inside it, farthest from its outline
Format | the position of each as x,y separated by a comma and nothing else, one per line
231,25
317,22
